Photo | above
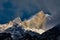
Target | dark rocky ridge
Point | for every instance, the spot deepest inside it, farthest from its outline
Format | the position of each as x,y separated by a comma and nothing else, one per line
51,34
5,36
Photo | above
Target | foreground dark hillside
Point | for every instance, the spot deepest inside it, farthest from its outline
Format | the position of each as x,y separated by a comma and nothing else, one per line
17,33
52,34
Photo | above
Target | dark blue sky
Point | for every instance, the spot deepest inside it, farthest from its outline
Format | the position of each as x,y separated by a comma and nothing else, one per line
12,8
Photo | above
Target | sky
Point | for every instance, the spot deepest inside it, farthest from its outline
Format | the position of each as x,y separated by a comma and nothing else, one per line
10,9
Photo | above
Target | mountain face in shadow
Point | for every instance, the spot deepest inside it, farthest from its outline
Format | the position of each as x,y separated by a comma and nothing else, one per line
52,34
5,36
12,34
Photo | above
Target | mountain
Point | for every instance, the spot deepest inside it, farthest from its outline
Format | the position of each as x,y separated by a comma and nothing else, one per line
31,29
35,23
